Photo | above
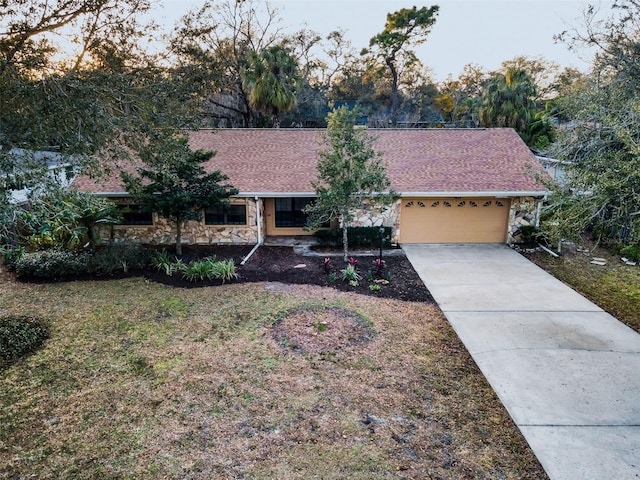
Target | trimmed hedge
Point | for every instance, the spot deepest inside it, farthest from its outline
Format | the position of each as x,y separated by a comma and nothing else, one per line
20,336
105,260
51,264
359,237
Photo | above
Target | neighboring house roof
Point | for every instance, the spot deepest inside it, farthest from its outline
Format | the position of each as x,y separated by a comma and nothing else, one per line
278,162
555,168
58,167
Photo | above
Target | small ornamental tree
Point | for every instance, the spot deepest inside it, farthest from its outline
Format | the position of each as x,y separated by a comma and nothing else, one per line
173,182
351,174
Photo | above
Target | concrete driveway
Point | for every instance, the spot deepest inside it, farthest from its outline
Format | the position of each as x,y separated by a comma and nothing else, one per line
567,372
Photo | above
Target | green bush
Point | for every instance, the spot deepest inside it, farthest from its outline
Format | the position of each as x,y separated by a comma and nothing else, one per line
530,234
225,270
120,256
165,262
632,252
199,270
105,260
351,274
11,255
208,269
359,237
51,264
20,336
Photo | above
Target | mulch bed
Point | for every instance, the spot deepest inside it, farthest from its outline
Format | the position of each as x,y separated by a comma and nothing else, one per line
282,264
397,279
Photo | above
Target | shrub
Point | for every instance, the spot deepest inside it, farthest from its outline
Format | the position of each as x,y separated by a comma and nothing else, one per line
199,270
167,263
11,255
225,270
379,264
119,256
530,234
20,336
327,265
210,268
350,274
51,264
632,252
105,260
359,237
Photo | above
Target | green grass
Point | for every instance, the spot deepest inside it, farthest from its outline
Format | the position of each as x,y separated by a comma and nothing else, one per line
614,287
139,380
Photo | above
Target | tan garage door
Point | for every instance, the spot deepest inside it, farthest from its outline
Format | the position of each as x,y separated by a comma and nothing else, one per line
454,220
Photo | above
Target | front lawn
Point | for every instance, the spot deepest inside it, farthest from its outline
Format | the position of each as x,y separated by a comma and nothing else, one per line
253,380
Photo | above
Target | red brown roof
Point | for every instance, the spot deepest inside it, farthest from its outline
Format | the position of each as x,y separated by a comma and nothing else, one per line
419,161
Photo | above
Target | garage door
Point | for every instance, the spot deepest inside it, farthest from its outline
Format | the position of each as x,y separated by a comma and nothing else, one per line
454,220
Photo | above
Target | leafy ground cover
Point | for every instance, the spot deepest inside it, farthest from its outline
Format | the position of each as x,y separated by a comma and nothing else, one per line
614,287
254,380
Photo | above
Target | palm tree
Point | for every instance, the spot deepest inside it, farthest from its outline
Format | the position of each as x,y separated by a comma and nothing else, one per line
272,79
508,100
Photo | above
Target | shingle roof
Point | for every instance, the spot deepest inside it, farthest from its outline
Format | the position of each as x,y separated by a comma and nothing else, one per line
438,161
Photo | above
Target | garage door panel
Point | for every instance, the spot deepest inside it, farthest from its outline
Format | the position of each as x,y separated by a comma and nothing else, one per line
454,220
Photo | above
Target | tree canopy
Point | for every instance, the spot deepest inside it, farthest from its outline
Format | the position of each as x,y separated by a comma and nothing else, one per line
272,80
403,29
600,144
172,181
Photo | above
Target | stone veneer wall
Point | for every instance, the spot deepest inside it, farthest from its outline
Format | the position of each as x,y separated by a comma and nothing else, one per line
162,233
370,216
523,212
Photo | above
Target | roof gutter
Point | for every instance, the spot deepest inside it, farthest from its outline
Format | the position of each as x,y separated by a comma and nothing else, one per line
276,194
112,194
498,194
487,193
240,194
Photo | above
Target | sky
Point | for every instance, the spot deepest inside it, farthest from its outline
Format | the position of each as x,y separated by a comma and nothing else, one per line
482,32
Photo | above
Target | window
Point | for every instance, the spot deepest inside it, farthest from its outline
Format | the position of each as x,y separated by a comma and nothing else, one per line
233,214
289,212
134,215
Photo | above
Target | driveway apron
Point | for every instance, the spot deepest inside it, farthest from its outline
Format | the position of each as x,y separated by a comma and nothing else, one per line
567,371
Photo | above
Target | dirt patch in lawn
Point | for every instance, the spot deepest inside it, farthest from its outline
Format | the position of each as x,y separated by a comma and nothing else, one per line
321,330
